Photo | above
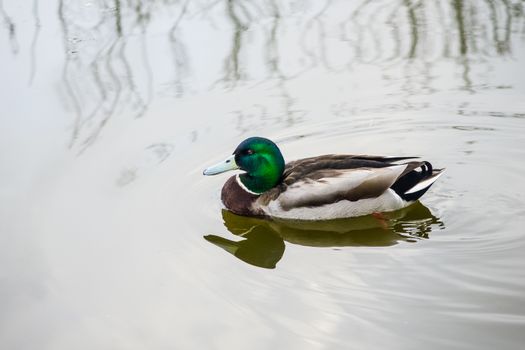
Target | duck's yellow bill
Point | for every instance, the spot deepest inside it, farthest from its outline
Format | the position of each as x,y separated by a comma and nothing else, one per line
227,164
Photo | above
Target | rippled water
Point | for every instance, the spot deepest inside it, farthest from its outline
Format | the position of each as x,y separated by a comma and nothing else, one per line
110,237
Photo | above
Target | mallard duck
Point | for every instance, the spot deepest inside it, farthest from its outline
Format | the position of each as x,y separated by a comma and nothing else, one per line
319,188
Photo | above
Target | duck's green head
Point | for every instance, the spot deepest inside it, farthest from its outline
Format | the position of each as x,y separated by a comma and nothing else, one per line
260,158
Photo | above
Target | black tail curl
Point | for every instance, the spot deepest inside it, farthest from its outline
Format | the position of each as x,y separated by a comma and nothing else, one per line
412,178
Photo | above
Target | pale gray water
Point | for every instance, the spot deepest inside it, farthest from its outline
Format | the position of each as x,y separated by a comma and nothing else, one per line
112,109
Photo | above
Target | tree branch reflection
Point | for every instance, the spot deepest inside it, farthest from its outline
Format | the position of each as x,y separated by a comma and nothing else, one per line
231,66
98,77
103,77
11,28
34,41
178,51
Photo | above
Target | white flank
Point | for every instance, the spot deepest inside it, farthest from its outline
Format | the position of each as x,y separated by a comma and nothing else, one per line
346,180
423,184
388,201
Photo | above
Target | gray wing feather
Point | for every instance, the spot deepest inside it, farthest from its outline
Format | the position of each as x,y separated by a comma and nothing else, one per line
325,170
336,185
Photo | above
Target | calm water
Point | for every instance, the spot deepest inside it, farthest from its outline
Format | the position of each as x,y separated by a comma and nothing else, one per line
110,238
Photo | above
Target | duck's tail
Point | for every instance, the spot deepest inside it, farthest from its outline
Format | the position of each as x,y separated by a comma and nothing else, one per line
416,180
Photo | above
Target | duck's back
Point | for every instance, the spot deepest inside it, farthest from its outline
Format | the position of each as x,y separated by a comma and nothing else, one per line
336,186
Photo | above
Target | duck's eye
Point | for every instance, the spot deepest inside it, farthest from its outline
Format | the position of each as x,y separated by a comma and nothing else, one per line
249,152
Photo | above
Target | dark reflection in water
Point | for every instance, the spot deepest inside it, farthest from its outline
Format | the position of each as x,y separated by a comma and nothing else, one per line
262,242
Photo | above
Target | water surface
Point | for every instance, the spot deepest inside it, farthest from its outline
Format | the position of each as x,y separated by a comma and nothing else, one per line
110,237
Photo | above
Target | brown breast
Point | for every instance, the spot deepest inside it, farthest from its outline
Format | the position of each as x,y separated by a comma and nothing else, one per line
237,200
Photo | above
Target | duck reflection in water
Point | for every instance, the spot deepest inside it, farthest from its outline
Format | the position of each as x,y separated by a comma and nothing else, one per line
262,241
